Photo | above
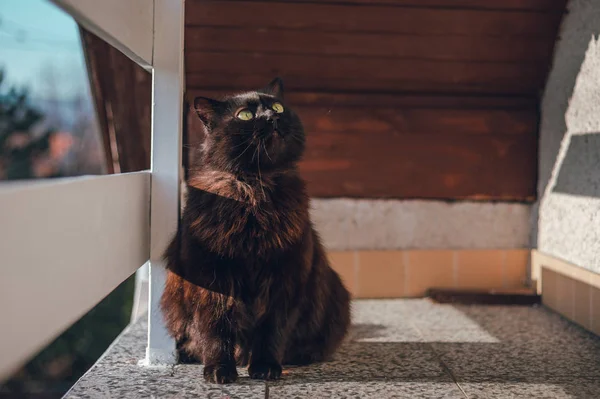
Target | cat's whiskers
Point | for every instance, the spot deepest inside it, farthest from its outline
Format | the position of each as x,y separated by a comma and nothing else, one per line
295,136
246,149
266,152
254,154
248,140
260,176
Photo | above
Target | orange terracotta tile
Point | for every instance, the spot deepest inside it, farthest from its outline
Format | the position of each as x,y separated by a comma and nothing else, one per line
565,295
515,268
480,269
428,269
581,305
595,300
344,263
380,274
549,288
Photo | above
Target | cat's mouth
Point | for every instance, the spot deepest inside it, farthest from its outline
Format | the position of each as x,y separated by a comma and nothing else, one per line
275,134
271,133
273,144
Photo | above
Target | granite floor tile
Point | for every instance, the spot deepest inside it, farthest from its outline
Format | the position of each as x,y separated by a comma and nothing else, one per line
451,335
372,332
484,363
389,312
568,390
533,345
118,375
516,323
129,347
366,361
359,390
191,382
125,382
396,349
441,316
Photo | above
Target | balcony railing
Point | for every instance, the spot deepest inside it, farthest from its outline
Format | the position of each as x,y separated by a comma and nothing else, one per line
67,243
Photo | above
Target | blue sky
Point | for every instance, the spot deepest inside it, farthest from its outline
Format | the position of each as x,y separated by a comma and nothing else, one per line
37,39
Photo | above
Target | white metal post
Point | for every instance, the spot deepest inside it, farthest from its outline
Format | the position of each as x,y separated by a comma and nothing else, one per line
167,107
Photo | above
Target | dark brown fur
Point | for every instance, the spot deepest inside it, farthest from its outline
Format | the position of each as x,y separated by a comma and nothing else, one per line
248,279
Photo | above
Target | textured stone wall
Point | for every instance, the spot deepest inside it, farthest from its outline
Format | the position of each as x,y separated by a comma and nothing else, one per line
400,224
568,212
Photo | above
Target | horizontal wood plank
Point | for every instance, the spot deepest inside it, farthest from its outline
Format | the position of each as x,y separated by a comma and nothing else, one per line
213,81
410,101
293,42
348,18
384,164
66,244
340,120
315,73
522,5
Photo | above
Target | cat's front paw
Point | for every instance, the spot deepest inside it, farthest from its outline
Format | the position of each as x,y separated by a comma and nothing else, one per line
264,371
220,373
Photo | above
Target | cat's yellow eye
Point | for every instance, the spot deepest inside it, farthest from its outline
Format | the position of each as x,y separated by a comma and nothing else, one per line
245,115
277,107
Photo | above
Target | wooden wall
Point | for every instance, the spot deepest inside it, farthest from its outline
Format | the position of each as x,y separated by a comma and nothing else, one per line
400,98
122,92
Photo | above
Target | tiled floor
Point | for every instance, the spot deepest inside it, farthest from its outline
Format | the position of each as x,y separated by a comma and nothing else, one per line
397,349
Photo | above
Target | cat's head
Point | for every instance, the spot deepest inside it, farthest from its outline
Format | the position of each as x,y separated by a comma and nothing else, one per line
250,132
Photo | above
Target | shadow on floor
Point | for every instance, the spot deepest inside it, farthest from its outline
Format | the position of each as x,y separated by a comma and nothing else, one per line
534,354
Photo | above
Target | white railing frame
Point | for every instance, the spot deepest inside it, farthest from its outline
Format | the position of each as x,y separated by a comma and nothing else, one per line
151,33
125,25
65,244
167,114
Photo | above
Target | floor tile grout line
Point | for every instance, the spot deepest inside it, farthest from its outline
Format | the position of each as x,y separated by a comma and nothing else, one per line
443,364
448,371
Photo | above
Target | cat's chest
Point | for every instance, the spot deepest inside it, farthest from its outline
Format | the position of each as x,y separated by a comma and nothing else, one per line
241,229
270,218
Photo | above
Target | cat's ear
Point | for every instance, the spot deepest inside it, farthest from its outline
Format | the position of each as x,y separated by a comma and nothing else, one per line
207,110
275,88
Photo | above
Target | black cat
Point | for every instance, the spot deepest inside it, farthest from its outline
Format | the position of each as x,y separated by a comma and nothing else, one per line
248,279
